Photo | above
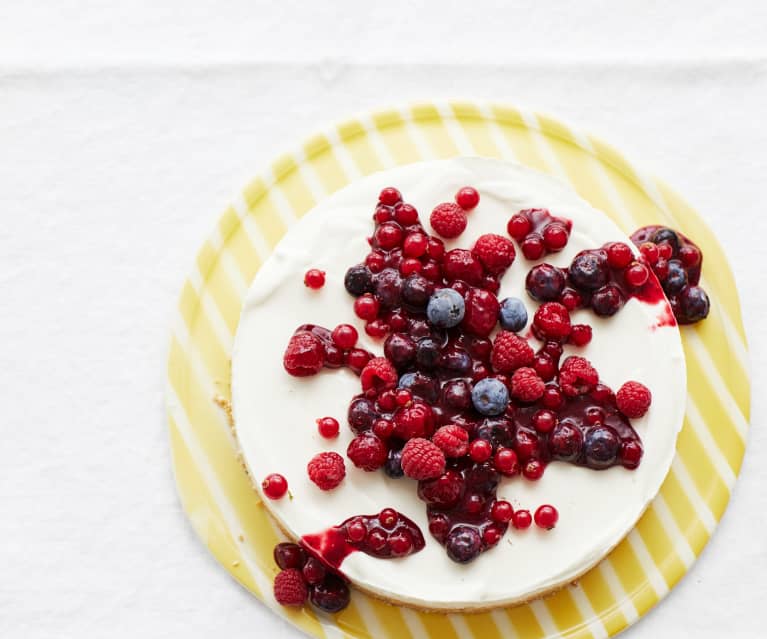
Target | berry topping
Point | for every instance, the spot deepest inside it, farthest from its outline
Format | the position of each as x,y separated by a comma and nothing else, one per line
601,446
510,352
545,282
552,321
463,544
607,301
619,255
446,308
389,196
366,307
305,355
460,264
452,440
290,588
577,376
519,226
287,555
580,335
326,470
480,450
481,313
345,336
443,492
367,452
631,454
328,427
555,236
506,462
546,517
379,375
274,486
490,396
358,280
496,253
693,305
388,235
637,275
422,459
526,386
467,198
314,278
533,247
521,519
314,572
513,314
448,219
331,595
501,512
589,270
416,420
633,399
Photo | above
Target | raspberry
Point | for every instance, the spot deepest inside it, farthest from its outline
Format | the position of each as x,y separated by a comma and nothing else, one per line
421,459
580,334
633,399
448,219
452,440
416,420
460,264
495,252
577,376
378,374
327,470
304,355
552,321
526,386
367,452
290,588
510,352
481,312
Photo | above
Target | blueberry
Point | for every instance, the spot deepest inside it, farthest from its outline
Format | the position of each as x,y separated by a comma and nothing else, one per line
694,304
358,280
607,301
406,381
427,353
667,235
676,279
513,314
545,282
490,396
393,465
446,308
601,446
589,270
416,291
388,287
463,544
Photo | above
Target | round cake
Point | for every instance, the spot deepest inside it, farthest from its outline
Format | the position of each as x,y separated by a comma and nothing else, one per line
633,343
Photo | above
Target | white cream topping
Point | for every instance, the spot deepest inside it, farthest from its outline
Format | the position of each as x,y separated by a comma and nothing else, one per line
275,413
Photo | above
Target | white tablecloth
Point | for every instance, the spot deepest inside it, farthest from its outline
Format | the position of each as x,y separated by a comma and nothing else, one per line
125,131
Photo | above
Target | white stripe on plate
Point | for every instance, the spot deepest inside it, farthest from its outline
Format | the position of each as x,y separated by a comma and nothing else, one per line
455,130
543,616
701,507
654,575
615,586
343,156
376,141
496,135
681,545
414,624
715,454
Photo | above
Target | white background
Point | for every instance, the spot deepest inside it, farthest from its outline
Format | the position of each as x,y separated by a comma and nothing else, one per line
125,131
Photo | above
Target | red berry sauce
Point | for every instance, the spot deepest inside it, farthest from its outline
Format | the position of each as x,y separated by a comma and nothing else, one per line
677,262
538,232
386,535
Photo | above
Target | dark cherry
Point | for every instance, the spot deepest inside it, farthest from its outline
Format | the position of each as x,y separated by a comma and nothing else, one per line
358,280
331,595
693,305
545,282
676,279
362,414
287,555
589,270
456,394
388,287
399,349
607,301
393,465
668,236
416,291
314,571
566,442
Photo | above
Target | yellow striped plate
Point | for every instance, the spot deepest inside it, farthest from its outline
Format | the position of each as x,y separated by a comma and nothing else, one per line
216,492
